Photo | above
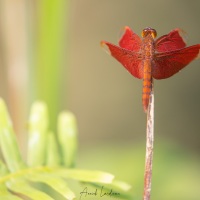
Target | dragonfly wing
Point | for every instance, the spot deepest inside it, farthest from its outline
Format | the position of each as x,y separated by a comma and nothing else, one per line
167,64
130,40
172,41
130,60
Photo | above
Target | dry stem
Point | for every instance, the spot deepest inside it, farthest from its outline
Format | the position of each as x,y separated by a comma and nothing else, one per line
149,148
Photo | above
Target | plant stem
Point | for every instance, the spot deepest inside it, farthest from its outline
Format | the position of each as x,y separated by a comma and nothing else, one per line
149,148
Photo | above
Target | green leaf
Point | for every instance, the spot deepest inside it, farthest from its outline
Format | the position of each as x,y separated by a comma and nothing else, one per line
55,183
53,156
6,195
38,134
67,135
86,175
121,185
3,169
22,187
51,35
8,142
43,156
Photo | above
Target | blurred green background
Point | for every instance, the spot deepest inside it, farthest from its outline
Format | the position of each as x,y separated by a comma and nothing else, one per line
50,50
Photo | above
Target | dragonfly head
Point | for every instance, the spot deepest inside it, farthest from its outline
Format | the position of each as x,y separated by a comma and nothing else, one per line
149,31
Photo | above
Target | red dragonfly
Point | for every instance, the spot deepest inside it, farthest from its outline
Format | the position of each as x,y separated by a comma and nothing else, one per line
148,58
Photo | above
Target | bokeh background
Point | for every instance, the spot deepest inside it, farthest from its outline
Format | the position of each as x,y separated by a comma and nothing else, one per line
50,50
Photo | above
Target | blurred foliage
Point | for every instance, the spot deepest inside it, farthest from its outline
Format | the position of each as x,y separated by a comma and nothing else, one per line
175,170
45,165
107,101
52,28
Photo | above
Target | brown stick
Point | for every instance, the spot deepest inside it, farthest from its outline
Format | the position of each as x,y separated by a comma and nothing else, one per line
149,148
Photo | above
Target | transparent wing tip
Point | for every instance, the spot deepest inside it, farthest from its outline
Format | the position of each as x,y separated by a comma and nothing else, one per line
105,47
123,32
183,35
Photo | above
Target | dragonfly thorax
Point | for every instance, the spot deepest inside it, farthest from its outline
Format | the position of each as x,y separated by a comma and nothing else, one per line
147,49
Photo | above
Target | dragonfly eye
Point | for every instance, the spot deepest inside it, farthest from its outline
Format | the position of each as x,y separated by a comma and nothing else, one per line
148,31
153,33
144,33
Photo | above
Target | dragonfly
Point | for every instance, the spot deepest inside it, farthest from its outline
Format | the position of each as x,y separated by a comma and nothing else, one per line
148,58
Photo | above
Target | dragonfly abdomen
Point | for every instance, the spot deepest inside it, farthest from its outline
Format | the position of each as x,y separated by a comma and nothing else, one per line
147,85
